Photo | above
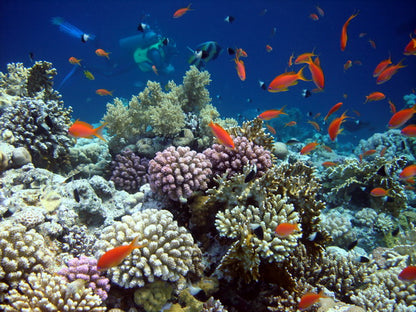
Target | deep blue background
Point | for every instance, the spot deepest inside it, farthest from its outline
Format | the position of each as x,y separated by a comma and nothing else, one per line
25,26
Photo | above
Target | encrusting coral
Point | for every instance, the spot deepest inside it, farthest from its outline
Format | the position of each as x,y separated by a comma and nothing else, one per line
169,250
178,172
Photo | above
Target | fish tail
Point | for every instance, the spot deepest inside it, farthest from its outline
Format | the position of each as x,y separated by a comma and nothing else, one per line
300,74
134,243
98,132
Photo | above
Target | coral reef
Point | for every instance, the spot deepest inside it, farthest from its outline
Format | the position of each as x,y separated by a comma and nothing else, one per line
232,161
85,268
170,251
178,172
129,171
153,296
46,292
253,130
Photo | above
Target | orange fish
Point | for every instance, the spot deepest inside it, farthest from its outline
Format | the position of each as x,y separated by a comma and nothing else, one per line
285,229
383,151
271,129
358,62
240,53
328,164
315,125
333,110
81,129
408,172
410,48
379,192
387,73
222,135
363,34
271,113
241,70
408,273
115,256
372,44
182,11
74,60
317,73
327,148
290,124
347,65
409,131
335,127
381,66
155,69
290,62
284,81
392,107
369,152
314,17
401,117
374,96
344,36
308,148
101,52
269,48
356,112
103,92
304,58
309,299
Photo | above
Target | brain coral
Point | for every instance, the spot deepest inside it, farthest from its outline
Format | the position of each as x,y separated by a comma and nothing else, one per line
178,172
41,127
232,161
170,251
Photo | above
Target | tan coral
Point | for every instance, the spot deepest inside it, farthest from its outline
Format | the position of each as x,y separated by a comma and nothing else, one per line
153,296
255,132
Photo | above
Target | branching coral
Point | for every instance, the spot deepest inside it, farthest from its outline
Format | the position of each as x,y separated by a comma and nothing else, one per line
254,131
169,252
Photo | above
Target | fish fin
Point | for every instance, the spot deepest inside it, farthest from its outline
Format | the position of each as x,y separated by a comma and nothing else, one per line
134,244
98,132
300,74
85,124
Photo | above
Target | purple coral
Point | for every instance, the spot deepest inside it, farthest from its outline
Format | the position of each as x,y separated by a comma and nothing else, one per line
178,172
232,161
85,268
129,171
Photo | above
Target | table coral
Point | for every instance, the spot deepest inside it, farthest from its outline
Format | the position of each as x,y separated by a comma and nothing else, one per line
178,172
46,292
170,250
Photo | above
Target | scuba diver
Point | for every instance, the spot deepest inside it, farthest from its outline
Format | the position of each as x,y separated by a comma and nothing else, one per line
150,51
72,30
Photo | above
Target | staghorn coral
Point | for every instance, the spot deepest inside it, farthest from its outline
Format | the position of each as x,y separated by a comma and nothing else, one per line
169,251
351,176
46,292
178,172
22,252
232,161
129,171
39,126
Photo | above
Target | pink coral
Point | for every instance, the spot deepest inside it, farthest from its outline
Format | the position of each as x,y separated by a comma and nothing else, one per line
232,161
178,172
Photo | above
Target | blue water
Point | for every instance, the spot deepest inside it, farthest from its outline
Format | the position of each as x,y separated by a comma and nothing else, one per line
26,27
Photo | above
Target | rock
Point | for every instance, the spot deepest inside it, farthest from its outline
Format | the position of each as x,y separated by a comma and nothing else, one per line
20,157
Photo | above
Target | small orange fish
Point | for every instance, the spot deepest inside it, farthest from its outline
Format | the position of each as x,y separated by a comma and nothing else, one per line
101,52
285,229
271,129
401,117
317,114
328,164
271,113
115,256
315,125
74,60
387,73
347,65
240,53
317,73
409,131
290,62
408,273
408,172
333,110
362,35
314,17
344,36
392,107
381,66
374,96
356,112
327,148
358,62
182,11
372,44
335,126
290,124
410,48
369,152
241,70
383,151
304,58
155,70
379,192
309,299
103,92
222,135
269,48
308,148
284,81
81,129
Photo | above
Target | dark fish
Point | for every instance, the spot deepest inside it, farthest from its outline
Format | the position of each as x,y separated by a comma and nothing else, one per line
292,141
316,237
382,171
251,175
352,245
165,41
257,230
72,176
262,85
230,51
229,19
84,38
306,93
363,259
76,195
204,53
31,56
142,27
395,231
309,114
